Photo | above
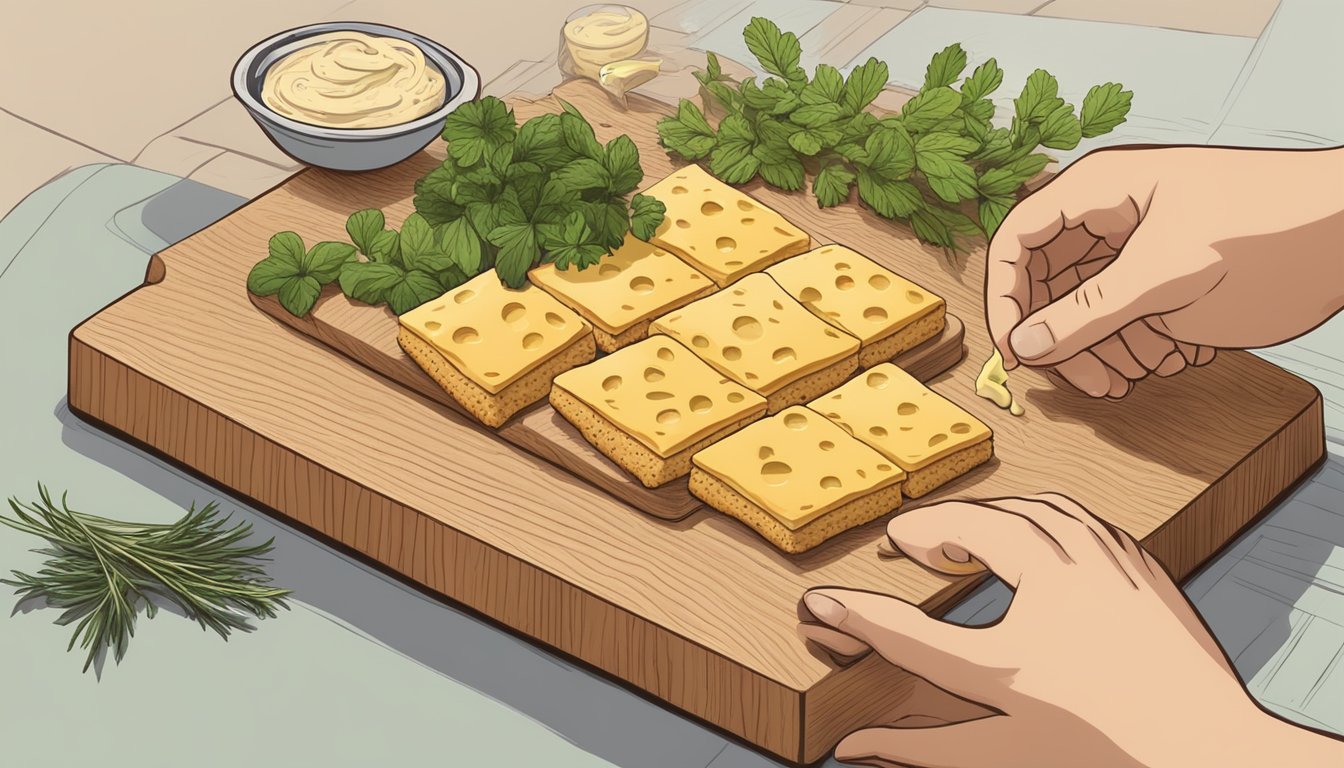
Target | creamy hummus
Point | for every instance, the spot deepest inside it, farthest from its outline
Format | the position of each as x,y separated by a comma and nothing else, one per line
354,80
601,36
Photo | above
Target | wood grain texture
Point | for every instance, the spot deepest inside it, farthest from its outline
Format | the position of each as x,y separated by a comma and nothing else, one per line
368,335
700,612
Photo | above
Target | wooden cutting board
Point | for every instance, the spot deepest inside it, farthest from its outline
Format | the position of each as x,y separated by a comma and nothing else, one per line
700,613
368,335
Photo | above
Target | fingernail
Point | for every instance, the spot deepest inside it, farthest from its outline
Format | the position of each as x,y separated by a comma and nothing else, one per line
1031,340
827,610
956,554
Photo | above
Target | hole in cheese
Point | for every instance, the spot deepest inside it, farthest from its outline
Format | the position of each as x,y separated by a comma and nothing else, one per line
679,190
711,208
830,481
809,295
875,314
795,421
735,397
660,395
607,270
628,307
699,342
914,297
726,244
841,266
747,327
732,263
462,297
862,475
784,232
555,320
765,452
612,383
775,472
433,325
877,431
701,404
532,341
826,445
883,467
666,354
466,335
961,428
652,374
844,282
670,416
513,312
683,224
936,439
732,354
879,282
641,284
784,355
745,205
748,221
877,380
907,409
491,374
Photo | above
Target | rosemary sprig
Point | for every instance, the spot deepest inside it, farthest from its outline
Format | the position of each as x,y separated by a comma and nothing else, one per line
100,571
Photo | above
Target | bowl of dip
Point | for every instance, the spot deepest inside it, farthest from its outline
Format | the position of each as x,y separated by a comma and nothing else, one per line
352,96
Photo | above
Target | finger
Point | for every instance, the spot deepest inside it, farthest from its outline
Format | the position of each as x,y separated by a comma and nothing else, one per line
842,648
1067,249
1099,307
1113,352
1086,373
1009,544
989,741
1088,538
1172,365
1146,345
942,653
1205,355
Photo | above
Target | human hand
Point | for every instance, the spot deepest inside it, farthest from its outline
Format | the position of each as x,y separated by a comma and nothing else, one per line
1139,261
1099,661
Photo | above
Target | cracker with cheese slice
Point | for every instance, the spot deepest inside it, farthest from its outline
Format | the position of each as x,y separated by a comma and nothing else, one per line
757,335
930,437
650,405
622,293
495,349
887,313
719,230
797,479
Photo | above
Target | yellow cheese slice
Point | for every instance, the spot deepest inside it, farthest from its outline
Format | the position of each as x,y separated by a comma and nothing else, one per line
906,421
854,293
797,466
660,393
494,334
720,231
756,334
635,282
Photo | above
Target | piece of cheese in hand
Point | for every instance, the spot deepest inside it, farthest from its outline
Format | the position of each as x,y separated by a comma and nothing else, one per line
719,230
930,437
627,288
797,479
887,313
756,334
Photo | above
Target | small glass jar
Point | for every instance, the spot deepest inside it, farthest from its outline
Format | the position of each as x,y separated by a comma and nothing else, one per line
598,35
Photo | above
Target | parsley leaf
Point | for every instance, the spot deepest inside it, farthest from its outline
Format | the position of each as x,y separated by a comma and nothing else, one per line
945,67
363,227
1039,98
478,127
983,81
622,166
778,53
826,87
462,245
832,184
570,243
646,216
296,276
1104,108
1061,130
929,107
688,134
518,251
732,160
863,85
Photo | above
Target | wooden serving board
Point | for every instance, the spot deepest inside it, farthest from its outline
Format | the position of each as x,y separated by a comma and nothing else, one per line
700,613
368,335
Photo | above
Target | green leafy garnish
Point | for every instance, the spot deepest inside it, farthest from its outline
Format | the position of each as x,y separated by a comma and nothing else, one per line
100,571
297,276
939,154
508,197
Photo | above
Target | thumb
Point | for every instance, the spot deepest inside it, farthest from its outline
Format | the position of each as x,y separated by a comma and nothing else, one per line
1098,308
987,742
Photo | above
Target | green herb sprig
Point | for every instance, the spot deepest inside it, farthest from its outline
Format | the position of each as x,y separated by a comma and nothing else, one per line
939,158
100,571
507,198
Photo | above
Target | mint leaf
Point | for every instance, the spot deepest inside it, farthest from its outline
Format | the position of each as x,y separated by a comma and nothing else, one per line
945,67
608,220
831,185
541,141
363,226
478,127
826,87
269,275
518,252
983,81
1040,97
299,295
578,135
323,261
1104,107
786,174
929,107
556,201
953,182
583,173
713,70
732,160
688,134
417,242
414,288
889,154
622,165
288,248
1061,130
646,215
863,85
948,143
813,115
386,248
778,53
992,213
571,244
369,282
889,198
462,245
